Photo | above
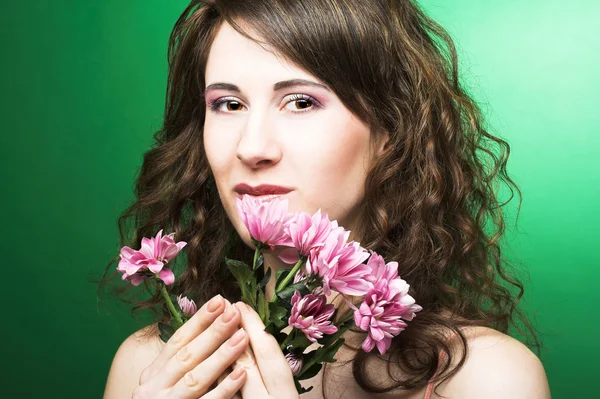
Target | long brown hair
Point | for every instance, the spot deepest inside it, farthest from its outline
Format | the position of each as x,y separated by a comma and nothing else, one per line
431,199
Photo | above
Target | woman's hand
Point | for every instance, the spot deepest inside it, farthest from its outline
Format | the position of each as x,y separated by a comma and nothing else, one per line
268,372
196,355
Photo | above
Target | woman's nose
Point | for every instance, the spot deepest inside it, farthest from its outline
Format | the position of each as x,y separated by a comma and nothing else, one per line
258,146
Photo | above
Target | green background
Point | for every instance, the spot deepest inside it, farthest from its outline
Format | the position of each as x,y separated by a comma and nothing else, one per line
82,93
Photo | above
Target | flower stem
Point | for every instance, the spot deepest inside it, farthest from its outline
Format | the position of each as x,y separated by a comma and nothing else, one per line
289,276
174,313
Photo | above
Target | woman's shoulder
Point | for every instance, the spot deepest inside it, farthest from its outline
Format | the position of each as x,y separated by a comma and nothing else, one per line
136,353
146,341
497,366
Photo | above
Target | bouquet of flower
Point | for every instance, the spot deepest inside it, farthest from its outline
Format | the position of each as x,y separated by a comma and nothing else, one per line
324,261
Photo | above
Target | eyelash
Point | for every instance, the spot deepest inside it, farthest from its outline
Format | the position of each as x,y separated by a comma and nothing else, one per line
215,104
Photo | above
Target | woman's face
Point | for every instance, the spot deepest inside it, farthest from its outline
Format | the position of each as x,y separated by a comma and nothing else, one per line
269,122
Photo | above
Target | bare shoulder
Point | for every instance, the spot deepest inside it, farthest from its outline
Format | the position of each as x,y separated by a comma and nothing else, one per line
136,353
497,366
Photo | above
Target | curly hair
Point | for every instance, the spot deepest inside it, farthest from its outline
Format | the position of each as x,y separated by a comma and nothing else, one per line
431,200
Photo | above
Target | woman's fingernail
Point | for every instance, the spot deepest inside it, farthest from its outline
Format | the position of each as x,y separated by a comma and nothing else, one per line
214,304
237,337
237,373
229,314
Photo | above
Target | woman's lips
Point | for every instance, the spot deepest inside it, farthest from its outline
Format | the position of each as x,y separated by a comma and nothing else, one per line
264,192
266,197
262,189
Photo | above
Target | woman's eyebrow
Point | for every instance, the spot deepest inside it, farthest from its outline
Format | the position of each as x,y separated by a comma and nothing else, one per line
277,86
297,82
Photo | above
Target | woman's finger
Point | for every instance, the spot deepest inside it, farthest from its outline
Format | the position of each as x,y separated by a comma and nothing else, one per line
254,386
197,381
223,377
195,326
272,365
228,388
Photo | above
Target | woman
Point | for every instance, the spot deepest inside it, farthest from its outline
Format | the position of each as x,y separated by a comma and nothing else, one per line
353,107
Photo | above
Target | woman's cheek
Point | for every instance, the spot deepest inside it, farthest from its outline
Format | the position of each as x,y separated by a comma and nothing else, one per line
220,149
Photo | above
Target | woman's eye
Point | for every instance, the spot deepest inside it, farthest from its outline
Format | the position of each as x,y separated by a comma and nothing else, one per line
296,103
233,105
300,103
226,105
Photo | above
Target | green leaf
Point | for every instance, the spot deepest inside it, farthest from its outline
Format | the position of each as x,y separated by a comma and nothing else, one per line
263,307
287,293
321,355
259,273
300,341
265,280
252,292
281,274
276,332
277,321
271,329
166,331
243,275
330,353
300,388
240,270
278,314
326,354
311,372
259,262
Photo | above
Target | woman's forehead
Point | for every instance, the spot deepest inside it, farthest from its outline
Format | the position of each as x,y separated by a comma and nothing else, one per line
236,59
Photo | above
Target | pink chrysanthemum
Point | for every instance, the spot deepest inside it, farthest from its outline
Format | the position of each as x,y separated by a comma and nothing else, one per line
187,305
311,314
384,306
294,362
150,259
307,232
266,221
340,264
380,271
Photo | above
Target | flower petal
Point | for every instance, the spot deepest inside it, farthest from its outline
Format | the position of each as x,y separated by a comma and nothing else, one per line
167,276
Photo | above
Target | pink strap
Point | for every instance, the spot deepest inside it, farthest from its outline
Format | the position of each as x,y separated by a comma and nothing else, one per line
442,356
